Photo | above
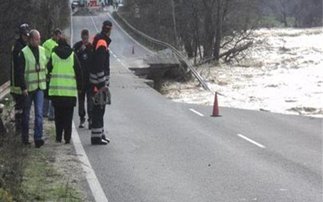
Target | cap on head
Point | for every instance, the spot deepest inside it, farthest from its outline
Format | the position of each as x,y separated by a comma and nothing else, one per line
85,32
107,23
24,29
57,31
106,26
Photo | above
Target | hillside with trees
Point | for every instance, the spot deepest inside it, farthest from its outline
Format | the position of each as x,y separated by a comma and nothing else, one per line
217,29
42,15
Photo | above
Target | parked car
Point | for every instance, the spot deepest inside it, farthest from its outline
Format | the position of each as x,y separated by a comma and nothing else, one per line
75,4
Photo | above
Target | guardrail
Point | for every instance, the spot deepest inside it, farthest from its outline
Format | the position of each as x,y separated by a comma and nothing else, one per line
4,89
175,51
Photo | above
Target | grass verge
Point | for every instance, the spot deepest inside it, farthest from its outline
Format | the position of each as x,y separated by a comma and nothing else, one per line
51,173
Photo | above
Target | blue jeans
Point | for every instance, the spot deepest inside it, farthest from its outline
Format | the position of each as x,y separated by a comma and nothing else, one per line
38,98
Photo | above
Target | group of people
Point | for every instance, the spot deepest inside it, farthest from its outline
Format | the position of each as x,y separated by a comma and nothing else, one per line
53,76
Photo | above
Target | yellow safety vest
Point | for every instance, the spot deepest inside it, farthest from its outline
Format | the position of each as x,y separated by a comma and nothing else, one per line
62,78
35,75
49,45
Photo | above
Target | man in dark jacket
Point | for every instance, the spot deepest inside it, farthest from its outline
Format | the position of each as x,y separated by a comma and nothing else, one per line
100,81
84,51
65,81
15,90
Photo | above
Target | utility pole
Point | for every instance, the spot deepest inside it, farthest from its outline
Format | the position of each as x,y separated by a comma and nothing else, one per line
174,21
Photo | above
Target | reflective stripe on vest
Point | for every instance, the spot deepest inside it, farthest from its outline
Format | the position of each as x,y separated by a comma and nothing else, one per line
62,81
35,79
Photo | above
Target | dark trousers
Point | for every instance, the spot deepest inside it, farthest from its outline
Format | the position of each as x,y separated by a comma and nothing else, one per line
63,122
98,121
81,102
19,107
48,109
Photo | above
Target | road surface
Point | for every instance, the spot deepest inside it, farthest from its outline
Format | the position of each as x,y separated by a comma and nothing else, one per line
166,151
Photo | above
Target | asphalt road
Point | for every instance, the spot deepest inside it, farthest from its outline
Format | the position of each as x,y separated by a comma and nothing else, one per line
166,151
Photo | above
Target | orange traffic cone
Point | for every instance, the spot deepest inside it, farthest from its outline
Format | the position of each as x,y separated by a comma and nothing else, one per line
216,106
133,50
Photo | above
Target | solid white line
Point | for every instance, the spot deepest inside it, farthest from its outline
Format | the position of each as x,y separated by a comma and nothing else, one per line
124,31
196,112
91,178
72,30
251,141
96,28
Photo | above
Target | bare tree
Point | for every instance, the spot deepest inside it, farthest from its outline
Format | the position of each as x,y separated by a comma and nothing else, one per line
43,15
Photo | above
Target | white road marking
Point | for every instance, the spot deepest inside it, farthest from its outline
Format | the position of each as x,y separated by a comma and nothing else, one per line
251,141
72,30
139,44
91,178
196,112
96,28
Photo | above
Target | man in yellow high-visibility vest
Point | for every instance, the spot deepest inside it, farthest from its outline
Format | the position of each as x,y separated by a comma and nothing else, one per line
49,45
32,65
65,81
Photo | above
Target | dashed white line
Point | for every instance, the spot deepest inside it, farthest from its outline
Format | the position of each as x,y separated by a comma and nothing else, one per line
96,28
196,112
252,141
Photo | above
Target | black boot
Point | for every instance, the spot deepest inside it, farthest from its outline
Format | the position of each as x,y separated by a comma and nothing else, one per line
105,138
98,141
39,143
26,143
82,121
